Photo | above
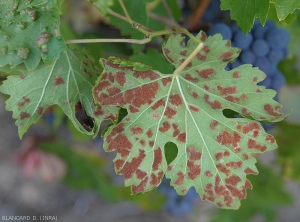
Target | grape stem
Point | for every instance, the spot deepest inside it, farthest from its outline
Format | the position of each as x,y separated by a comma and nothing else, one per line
168,10
149,34
187,61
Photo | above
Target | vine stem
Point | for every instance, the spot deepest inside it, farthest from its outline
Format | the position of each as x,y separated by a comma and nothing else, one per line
149,34
134,41
186,62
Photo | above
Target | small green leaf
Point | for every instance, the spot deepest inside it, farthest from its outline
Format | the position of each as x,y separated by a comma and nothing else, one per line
29,32
245,12
285,7
67,82
214,152
103,5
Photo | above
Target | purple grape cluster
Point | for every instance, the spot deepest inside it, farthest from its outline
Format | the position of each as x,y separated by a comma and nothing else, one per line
177,205
263,47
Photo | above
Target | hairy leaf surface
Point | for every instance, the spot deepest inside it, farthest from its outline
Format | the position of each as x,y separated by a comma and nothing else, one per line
245,11
29,32
67,83
214,152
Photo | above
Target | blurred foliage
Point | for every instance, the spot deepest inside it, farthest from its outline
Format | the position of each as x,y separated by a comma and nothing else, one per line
289,98
86,170
287,137
267,194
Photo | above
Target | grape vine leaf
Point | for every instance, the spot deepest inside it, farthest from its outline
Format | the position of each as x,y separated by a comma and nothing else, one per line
245,11
285,7
67,82
29,31
214,152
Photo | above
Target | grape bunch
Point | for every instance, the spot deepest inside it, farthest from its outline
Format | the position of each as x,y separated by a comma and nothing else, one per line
177,205
263,47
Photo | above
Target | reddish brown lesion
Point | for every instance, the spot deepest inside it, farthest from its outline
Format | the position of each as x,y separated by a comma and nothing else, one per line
215,104
24,100
206,73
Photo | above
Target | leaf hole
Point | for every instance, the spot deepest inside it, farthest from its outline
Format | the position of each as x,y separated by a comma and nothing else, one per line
228,113
171,151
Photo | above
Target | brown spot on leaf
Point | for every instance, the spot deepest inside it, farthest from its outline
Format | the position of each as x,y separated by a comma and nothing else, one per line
223,169
194,108
234,165
271,111
131,167
24,115
188,65
170,112
253,126
233,180
140,188
136,130
254,79
165,81
149,133
227,90
195,95
140,174
159,103
225,138
119,164
194,170
249,171
180,178
215,104
206,73
175,100
155,180
236,74
253,145
246,112
58,80
40,110
151,143
183,53
226,56
120,78
193,153
245,155
122,144
166,126
270,139
157,159
150,74
190,78
181,137
232,99
213,124
208,173
24,101
167,54
244,97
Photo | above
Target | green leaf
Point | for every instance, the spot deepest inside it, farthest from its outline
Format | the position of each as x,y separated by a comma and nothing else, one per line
67,82
29,31
285,7
138,13
289,97
103,5
154,59
267,195
214,152
245,12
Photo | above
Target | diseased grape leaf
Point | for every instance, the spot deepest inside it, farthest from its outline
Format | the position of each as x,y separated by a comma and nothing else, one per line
29,32
214,152
245,11
285,7
68,83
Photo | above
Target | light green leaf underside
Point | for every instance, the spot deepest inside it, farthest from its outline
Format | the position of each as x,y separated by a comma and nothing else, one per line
67,83
214,152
